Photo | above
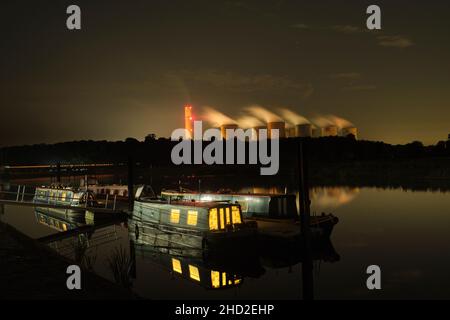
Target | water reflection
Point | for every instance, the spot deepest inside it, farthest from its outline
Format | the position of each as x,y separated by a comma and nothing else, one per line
127,253
327,198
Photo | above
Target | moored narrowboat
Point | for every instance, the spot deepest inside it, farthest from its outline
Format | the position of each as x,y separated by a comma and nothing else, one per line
64,196
275,214
213,224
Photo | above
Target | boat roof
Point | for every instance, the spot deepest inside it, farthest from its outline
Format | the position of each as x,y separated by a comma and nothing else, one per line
61,188
188,203
172,192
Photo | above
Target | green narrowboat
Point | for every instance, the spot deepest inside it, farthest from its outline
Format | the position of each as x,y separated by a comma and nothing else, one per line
212,223
64,196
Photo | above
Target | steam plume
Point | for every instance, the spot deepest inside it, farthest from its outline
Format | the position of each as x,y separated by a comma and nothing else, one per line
292,117
216,118
263,114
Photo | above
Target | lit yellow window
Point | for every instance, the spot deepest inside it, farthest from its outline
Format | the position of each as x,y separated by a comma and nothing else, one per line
176,265
64,227
175,216
237,281
224,279
193,273
222,219
227,215
215,279
236,214
63,196
213,222
192,217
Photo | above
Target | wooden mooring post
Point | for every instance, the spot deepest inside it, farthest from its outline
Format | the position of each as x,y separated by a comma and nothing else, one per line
130,183
305,215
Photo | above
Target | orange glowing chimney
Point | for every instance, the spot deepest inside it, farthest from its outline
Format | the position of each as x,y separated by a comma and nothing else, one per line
188,120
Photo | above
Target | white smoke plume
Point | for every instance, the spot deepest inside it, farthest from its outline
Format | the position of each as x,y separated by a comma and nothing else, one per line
331,120
263,114
216,118
249,122
293,118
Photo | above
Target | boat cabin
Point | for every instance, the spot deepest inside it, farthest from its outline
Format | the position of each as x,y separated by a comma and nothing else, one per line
253,205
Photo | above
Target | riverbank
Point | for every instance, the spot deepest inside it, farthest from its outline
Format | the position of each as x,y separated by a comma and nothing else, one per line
32,271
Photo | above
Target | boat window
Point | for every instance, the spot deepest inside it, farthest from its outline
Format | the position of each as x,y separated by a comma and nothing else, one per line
236,214
63,196
215,279
192,217
222,219
64,226
224,279
193,273
176,265
175,216
227,215
213,222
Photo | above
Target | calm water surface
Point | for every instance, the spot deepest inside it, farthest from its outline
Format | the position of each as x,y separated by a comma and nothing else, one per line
406,233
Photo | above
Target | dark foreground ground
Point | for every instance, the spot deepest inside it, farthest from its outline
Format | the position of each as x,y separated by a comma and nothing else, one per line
32,271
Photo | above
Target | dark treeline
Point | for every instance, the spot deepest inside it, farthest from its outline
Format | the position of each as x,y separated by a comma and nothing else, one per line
156,152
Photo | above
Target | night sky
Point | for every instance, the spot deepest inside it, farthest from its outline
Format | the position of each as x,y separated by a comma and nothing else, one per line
134,64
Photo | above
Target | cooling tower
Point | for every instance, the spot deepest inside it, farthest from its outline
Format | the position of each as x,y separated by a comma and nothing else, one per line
223,129
316,132
349,131
303,130
256,131
330,131
280,125
290,132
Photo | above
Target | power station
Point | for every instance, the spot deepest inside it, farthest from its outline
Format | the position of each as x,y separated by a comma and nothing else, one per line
302,130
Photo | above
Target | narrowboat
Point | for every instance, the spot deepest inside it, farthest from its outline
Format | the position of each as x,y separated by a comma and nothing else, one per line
64,196
275,214
213,224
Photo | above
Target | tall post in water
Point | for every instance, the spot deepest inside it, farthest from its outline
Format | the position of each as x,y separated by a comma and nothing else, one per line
58,173
130,183
305,215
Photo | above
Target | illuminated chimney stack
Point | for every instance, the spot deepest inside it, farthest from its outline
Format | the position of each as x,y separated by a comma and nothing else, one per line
188,120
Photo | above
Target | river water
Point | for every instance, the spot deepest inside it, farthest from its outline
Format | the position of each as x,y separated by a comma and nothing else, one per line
405,233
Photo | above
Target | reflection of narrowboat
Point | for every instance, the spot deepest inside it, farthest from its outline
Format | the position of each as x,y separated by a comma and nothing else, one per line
190,264
211,223
253,205
58,221
64,196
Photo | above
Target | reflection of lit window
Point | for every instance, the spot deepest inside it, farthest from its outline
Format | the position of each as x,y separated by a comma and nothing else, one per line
222,219
236,214
213,222
215,279
176,265
193,273
175,216
192,218
227,215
